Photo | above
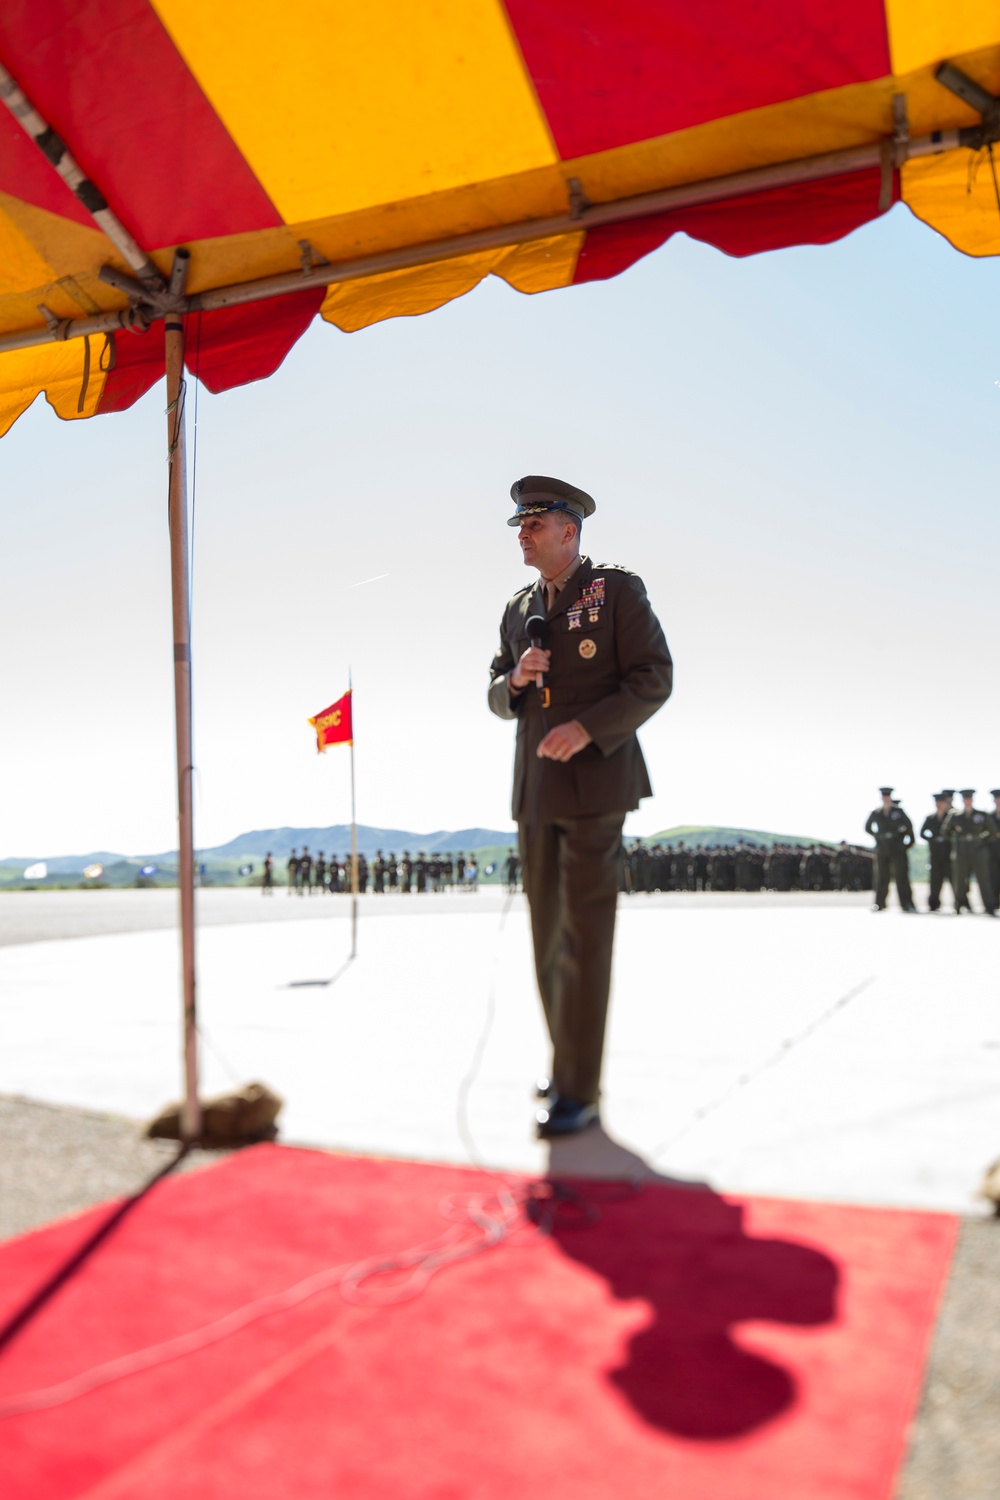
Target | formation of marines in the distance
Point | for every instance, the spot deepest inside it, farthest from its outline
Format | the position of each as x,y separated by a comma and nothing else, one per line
309,875
746,866
963,842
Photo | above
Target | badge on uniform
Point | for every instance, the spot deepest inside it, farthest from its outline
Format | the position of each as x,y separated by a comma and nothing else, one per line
587,649
593,616
574,619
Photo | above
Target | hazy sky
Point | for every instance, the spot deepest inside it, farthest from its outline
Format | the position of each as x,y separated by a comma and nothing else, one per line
799,452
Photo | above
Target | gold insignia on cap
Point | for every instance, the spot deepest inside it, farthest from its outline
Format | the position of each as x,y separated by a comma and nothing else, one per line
587,648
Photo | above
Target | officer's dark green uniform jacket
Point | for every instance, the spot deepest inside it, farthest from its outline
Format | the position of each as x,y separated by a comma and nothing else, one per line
610,669
890,827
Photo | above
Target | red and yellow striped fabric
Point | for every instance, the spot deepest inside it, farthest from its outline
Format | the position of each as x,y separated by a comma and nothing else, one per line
238,131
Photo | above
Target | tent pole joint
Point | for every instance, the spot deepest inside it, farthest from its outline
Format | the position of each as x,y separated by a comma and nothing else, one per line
166,299
985,104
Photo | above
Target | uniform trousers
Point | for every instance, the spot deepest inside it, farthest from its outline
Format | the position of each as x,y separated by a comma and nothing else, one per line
994,849
570,871
973,858
941,871
891,864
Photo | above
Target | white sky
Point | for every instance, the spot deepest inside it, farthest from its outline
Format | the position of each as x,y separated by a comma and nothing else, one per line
798,452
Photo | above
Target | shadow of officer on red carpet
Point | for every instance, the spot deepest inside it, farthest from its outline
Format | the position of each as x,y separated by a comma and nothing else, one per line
684,1250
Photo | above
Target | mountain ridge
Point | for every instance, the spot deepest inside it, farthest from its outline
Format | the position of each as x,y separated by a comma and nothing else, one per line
280,841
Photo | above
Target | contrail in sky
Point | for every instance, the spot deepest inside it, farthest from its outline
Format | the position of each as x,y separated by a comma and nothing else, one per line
361,583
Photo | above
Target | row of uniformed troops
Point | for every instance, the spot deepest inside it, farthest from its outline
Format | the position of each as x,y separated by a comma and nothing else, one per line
311,876
963,842
746,866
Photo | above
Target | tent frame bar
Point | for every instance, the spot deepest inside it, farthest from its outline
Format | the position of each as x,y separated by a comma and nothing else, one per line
148,306
58,155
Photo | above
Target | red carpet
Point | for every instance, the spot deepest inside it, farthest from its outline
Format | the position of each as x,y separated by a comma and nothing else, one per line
683,1346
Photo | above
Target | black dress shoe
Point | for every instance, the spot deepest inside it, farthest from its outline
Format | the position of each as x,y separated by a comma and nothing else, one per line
564,1117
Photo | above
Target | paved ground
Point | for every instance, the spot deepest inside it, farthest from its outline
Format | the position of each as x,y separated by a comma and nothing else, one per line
763,1045
57,1161
35,916
786,1048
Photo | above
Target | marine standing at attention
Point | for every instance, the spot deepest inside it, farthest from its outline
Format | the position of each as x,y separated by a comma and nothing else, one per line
598,670
971,832
893,834
939,849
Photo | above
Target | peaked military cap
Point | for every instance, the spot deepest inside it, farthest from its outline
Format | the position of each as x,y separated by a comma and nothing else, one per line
967,791
949,791
886,791
995,791
537,494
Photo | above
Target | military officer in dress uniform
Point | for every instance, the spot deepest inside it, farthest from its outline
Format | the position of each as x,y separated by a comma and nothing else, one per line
599,669
893,835
938,849
971,832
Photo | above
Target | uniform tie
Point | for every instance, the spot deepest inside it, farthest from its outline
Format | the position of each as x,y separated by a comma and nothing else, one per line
550,595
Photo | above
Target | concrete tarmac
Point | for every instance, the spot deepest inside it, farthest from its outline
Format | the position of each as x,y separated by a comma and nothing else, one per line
798,1047
34,916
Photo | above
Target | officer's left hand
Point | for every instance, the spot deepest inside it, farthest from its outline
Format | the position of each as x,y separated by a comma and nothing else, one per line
563,742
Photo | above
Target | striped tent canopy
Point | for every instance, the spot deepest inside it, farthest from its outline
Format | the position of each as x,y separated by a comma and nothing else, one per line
368,161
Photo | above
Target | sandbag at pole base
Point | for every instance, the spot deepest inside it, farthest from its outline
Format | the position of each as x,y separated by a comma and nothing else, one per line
240,1117
990,1189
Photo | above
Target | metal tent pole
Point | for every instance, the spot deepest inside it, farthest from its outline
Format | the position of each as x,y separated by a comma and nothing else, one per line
169,303
180,588
354,837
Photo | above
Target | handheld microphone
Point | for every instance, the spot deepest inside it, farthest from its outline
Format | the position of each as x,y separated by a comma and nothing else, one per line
537,628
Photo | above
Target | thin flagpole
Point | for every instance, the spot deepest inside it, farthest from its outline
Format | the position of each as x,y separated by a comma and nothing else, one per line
354,837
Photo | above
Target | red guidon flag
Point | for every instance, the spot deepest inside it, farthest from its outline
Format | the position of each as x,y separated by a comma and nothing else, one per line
333,724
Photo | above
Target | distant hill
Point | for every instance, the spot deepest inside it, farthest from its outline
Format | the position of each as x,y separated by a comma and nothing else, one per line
337,840
706,833
66,864
220,865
